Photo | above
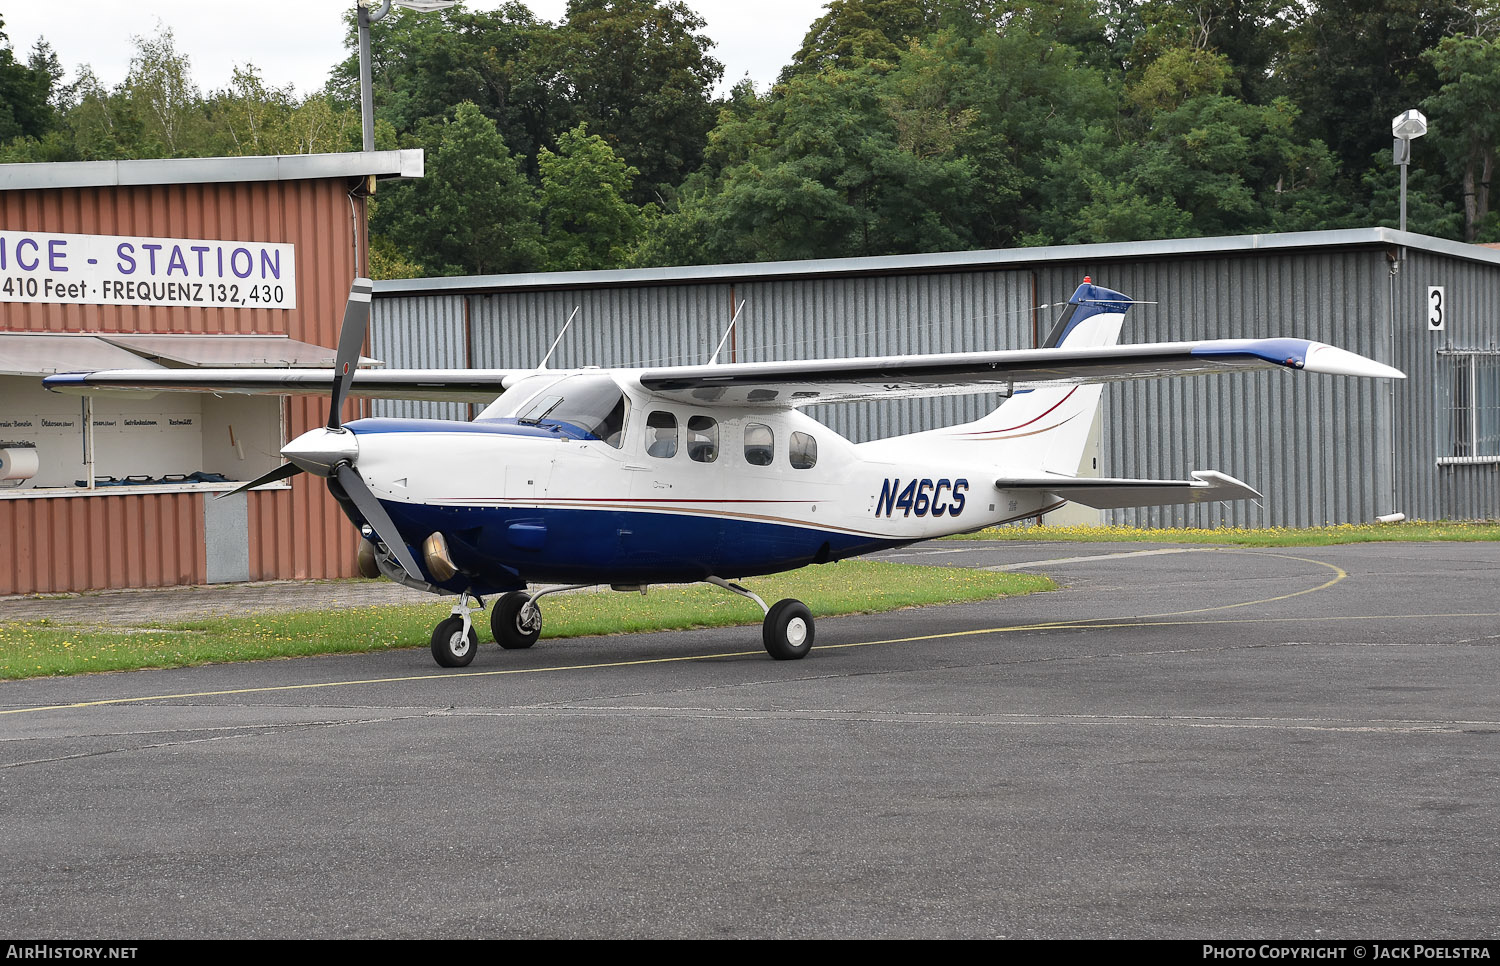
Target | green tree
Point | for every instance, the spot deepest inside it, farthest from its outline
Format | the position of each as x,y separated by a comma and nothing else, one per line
1428,212
105,124
160,88
473,212
422,64
1355,64
321,126
25,92
1252,37
853,34
248,117
589,222
1465,114
838,176
639,74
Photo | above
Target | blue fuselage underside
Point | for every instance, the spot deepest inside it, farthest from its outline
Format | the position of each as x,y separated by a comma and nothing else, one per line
504,548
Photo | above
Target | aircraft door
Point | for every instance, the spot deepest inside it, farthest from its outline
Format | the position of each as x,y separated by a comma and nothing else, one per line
675,480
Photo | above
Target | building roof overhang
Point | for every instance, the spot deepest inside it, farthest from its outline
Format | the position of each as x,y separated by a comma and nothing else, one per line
406,163
939,262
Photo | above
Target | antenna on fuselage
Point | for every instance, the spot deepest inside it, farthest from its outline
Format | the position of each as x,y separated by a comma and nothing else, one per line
713,359
543,363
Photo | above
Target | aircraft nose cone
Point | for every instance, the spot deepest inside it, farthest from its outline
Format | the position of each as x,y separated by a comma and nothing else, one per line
320,450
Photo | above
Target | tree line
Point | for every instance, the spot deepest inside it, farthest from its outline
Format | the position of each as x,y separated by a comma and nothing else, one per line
899,126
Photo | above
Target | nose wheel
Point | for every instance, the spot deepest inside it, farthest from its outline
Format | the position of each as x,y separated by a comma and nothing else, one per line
454,640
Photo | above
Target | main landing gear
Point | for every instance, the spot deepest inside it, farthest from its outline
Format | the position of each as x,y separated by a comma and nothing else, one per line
788,628
516,621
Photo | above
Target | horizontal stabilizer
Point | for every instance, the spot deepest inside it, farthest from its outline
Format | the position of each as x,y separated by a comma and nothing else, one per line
1101,493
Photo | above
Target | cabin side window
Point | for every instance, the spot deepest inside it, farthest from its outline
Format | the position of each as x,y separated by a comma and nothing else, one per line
760,444
661,435
702,439
804,452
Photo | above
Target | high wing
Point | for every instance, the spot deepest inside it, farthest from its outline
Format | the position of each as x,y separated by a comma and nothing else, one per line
454,385
784,384
804,383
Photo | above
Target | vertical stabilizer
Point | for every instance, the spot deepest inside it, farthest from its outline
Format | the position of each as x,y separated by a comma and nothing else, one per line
1047,429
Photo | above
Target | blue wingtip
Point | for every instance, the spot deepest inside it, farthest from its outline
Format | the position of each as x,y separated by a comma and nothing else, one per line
65,379
1291,353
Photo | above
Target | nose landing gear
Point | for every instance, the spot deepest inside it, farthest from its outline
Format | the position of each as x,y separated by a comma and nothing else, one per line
454,641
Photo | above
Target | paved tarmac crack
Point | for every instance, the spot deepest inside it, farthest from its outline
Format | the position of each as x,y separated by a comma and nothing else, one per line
233,732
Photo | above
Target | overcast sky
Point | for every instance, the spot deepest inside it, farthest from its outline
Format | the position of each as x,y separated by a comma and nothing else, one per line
298,41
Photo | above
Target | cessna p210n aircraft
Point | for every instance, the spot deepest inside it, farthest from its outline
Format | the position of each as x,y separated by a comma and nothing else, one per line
631,477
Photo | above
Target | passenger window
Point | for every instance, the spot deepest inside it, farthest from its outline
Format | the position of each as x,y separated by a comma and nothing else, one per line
661,435
702,439
804,452
759,444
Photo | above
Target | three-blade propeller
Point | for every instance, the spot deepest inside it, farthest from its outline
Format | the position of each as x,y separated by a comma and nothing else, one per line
332,451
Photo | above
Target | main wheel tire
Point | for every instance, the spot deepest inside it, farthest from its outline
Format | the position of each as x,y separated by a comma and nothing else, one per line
511,632
788,630
450,646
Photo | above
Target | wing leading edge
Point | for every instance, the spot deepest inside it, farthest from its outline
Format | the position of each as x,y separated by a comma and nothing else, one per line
804,383
784,384
453,385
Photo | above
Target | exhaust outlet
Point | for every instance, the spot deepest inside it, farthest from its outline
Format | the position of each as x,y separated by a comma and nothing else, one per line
435,554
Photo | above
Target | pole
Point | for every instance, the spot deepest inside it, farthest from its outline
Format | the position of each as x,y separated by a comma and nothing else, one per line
1403,197
366,95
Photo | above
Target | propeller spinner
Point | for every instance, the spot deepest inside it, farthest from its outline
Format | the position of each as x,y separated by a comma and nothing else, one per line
331,451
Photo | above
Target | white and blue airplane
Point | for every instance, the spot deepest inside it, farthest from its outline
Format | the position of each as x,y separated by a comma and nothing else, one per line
677,474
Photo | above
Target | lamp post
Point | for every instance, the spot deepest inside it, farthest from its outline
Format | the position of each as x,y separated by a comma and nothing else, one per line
1406,127
367,17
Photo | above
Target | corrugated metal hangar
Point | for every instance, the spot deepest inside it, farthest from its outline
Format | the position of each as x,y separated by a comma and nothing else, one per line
1320,449
137,264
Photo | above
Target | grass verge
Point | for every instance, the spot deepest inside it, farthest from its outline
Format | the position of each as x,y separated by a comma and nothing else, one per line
1413,531
40,649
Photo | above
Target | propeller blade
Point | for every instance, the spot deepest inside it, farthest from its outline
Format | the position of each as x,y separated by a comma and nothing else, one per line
279,473
375,515
351,337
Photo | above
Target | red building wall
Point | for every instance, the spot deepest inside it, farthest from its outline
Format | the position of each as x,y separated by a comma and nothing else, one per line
95,541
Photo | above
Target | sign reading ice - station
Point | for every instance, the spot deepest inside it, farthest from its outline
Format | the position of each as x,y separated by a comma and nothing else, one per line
139,270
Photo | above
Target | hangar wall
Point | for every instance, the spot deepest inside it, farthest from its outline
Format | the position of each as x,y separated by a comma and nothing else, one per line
1321,449
1442,484
1317,447
66,538
667,324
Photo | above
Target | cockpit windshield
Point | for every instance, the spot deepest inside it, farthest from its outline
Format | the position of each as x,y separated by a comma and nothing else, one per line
591,403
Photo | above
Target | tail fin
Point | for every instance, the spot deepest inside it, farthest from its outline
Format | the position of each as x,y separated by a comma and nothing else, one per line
1093,318
1046,430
